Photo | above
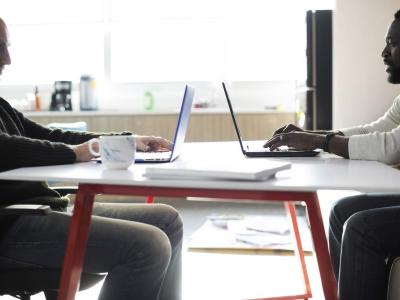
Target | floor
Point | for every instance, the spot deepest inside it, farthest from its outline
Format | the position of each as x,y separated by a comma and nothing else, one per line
215,276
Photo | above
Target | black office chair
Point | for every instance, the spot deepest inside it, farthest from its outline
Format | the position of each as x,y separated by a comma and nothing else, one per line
22,283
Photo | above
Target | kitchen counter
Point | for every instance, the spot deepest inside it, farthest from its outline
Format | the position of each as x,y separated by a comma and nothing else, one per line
142,112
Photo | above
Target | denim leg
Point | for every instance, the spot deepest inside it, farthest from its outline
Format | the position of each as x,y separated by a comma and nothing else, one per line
363,235
343,209
135,255
170,222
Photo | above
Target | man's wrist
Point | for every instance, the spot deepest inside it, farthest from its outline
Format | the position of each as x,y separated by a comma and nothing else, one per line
319,140
73,148
327,140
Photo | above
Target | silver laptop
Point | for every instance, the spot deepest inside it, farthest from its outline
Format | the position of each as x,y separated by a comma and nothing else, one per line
180,133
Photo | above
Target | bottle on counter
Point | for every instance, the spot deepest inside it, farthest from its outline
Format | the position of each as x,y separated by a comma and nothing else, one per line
38,104
87,93
148,101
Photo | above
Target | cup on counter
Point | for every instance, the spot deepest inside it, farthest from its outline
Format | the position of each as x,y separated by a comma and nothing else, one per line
116,152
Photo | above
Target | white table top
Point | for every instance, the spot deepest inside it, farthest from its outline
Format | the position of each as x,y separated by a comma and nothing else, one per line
325,171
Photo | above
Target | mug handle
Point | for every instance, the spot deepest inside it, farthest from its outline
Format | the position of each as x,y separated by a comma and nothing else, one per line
90,145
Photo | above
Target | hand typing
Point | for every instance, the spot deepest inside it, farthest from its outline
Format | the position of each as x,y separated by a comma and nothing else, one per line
152,143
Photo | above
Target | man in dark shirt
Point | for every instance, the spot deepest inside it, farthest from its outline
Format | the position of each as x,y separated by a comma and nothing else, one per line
137,245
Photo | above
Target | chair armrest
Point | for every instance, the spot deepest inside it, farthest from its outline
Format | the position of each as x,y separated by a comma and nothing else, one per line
25,209
65,190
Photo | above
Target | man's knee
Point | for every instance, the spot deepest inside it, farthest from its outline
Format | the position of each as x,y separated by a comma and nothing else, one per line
155,248
345,208
174,221
355,227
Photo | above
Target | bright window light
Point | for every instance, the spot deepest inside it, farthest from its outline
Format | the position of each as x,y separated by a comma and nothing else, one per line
167,50
50,12
43,53
157,40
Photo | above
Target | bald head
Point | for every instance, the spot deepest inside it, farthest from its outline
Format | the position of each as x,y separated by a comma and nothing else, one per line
4,43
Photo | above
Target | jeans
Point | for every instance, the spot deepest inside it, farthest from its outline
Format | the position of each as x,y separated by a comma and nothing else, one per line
138,245
364,237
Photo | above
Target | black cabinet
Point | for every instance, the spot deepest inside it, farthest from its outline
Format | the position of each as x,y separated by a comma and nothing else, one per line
319,70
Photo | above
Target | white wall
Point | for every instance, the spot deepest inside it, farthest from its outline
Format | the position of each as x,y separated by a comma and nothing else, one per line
361,92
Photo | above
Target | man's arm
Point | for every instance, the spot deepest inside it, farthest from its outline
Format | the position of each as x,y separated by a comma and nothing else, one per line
389,121
379,146
19,151
291,127
336,144
38,131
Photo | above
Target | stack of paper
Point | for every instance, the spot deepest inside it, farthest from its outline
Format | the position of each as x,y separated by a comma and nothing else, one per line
239,170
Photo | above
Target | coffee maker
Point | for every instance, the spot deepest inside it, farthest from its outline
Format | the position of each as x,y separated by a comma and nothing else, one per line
61,97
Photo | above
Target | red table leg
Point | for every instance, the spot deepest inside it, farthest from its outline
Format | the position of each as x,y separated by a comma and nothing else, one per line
76,244
291,212
79,229
329,284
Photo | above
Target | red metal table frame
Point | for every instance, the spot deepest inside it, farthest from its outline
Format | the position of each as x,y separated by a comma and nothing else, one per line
79,228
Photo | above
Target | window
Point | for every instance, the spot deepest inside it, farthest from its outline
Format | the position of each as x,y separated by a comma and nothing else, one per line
157,40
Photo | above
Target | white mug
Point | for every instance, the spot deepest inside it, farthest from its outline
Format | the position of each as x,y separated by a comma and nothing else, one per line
116,151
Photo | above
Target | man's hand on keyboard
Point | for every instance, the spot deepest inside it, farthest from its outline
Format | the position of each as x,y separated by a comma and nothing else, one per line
296,139
152,143
286,129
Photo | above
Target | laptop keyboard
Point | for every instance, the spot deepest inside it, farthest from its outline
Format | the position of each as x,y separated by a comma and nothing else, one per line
280,149
153,155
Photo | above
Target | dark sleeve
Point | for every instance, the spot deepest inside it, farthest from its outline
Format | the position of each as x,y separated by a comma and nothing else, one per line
37,131
19,151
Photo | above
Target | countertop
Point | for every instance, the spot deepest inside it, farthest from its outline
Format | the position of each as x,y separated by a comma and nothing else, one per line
142,112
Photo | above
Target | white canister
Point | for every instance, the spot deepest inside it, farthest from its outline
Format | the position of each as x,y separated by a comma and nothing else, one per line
87,93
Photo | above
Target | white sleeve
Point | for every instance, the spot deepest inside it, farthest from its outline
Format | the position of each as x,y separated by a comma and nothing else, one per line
386,123
379,146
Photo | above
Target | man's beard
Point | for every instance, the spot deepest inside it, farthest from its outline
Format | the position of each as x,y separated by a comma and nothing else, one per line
394,75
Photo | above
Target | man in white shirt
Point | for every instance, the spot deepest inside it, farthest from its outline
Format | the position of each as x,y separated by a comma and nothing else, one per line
378,140
364,230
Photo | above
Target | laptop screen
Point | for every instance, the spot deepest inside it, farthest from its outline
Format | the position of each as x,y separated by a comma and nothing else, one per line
233,117
183,121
